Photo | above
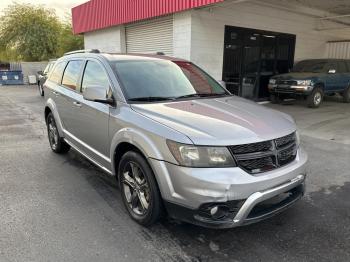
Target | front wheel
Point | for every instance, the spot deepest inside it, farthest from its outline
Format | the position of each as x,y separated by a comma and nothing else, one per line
41,89
139,189
274,99
315,99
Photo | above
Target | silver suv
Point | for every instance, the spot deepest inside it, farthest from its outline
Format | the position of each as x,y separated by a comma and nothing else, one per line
175,139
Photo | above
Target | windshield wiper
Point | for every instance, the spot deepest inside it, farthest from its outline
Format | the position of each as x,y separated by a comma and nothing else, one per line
186,96
201,95
151,98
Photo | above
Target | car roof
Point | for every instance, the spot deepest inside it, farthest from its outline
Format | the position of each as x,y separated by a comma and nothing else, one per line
143,57
325,60
124,57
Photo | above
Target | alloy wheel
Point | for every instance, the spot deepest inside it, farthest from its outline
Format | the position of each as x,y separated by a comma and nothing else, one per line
317,98
53,133
136,189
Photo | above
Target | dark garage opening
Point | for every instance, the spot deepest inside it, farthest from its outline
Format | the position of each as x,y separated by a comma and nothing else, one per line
252,56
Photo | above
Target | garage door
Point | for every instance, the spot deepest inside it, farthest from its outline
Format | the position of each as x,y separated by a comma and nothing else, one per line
151,36
339,50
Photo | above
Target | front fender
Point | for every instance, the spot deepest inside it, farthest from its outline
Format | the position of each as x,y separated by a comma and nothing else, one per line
50,103
140,140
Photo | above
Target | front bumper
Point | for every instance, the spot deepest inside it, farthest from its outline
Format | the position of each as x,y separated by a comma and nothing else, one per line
290,89
248,211
188,192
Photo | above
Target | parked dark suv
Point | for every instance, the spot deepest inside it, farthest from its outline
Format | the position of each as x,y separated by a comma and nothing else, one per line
42,76
312,79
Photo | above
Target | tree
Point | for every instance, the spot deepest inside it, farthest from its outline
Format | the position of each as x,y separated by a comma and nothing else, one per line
68,41
34,33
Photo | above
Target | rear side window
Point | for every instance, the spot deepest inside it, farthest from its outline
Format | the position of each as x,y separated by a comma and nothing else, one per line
331,66
95,75
71,74
56,75
348,66
342,67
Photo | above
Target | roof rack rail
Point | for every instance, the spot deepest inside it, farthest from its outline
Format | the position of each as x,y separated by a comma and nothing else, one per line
95,51
150,53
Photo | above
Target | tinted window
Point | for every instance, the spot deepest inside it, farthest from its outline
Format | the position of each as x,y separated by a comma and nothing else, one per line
348,66
71,74
56,74
314,66
331,65
164,79
342,67
94,75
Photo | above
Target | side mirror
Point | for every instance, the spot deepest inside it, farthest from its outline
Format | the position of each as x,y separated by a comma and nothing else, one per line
222,83
97,94
332,71
40,72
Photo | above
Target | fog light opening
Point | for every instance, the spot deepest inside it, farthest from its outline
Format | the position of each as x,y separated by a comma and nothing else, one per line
214,210
219,212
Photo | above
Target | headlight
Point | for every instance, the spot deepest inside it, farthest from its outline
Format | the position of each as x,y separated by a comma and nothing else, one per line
272,81
201,156
304,82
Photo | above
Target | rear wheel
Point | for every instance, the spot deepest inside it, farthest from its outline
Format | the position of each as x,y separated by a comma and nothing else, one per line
346,95
139,189
57,143
315,99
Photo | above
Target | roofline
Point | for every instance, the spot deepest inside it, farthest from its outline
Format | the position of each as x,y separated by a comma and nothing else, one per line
325,59
86,53
161,57
100,14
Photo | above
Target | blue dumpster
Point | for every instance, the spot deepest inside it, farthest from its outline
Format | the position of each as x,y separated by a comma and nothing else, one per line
13,77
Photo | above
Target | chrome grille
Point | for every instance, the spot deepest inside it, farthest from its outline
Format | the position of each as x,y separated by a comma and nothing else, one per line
286,82
286,140
258,165
251,148
265,156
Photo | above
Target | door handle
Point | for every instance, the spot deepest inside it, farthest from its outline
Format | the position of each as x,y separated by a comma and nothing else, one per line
77,104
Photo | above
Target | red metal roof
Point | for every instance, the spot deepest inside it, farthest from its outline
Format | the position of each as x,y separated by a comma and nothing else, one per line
98,14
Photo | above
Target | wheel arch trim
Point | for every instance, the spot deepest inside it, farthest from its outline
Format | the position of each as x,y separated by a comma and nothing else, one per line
136,138
51,105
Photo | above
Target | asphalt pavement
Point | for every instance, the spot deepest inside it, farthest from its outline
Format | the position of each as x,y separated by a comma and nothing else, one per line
63,208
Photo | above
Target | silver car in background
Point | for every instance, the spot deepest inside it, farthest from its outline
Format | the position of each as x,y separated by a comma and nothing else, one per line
175,139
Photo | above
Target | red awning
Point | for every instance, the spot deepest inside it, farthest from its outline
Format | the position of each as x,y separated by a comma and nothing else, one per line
98,14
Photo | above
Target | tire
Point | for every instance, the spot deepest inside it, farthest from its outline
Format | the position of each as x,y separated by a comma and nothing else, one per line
346,95
315,99
41,89
139,189
57,143
274,99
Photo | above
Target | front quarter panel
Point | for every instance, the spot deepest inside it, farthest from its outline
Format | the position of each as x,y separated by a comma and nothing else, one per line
147,135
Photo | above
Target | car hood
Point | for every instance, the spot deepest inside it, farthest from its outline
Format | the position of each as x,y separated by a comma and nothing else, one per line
222,121
296,76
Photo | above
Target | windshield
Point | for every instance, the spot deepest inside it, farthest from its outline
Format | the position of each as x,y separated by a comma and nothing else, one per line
310,66
153,80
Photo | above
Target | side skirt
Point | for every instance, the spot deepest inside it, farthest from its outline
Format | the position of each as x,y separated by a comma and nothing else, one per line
89,158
